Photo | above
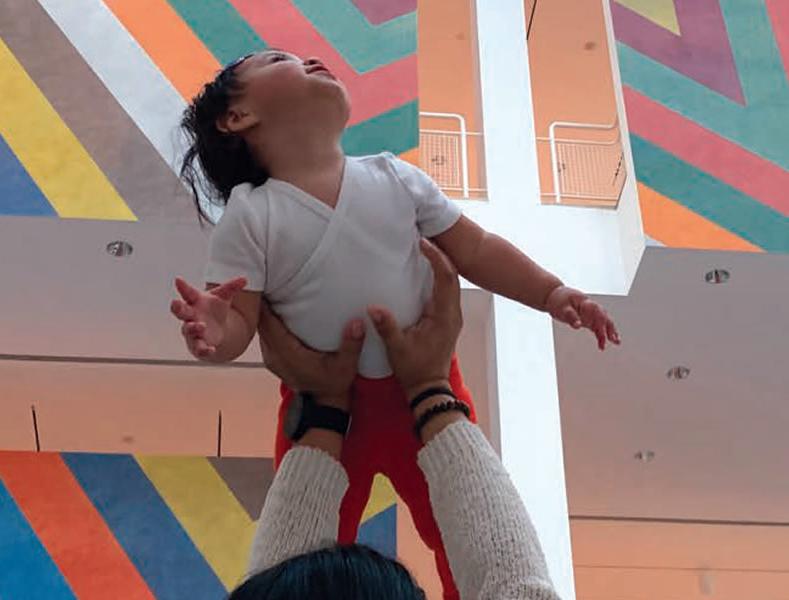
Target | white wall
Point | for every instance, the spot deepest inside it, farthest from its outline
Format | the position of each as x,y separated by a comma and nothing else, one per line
597,250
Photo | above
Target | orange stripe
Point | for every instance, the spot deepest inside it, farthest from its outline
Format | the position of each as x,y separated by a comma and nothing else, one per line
674,225
170,43
70,528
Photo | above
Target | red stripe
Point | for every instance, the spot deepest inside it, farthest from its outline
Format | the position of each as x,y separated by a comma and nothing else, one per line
706,150
283,26
779,13
70,528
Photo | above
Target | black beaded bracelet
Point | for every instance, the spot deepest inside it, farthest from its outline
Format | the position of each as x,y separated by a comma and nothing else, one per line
437,410
429,393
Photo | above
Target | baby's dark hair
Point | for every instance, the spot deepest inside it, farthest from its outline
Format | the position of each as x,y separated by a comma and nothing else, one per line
224,157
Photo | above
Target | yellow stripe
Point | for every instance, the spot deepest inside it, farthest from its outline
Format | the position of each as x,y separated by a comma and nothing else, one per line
382,497
52,155
207,510
661,12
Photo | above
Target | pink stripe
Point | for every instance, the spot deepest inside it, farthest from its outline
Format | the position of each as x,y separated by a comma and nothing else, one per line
380,11
724,160
702,52
282,25
779,13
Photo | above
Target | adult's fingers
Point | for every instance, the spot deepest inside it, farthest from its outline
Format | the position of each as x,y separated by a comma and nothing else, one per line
386,325
227,290
446,286
188,293
352,342
181,310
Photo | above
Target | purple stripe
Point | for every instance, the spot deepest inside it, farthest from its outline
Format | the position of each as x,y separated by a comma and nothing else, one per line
380,11
703,51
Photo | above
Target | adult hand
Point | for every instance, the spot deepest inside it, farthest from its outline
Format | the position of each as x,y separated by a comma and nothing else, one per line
327,375
421,355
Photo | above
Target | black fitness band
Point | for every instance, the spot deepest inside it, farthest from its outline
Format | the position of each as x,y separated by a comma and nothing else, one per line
437,410
429,393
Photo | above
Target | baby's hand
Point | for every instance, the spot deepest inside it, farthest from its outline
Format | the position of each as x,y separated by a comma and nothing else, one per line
577,310
204,314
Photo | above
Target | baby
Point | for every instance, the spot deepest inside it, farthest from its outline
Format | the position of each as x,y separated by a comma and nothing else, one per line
322,237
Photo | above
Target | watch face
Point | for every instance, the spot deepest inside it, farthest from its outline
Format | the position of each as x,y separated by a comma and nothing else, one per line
293,416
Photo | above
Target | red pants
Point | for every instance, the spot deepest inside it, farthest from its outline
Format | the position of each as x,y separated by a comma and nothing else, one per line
381,440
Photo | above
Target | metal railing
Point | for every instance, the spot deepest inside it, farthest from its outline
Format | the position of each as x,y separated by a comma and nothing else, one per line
445,153
586,171
452,155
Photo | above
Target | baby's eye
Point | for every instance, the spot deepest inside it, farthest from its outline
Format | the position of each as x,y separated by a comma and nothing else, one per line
277,57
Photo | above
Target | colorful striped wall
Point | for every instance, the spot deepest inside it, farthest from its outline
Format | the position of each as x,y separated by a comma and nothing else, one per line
707,93
93,90
98,526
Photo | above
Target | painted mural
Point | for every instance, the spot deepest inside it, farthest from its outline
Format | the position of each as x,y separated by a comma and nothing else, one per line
93,90
706,85
98,526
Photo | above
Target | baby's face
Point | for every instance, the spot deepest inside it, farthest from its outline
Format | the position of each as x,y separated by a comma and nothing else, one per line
281,87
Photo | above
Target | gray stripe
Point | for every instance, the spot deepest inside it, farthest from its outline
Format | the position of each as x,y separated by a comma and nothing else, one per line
248,478
126,157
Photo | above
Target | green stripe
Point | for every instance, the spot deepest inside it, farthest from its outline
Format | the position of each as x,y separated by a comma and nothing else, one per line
762,128
224,32
756,53
363,45
709,197
395,131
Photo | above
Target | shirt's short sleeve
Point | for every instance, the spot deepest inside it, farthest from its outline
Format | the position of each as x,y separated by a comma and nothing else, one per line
237,244
435,213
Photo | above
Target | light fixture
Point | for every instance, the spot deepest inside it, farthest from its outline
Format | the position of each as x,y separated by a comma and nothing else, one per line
717,276
679,372
644,456
119,249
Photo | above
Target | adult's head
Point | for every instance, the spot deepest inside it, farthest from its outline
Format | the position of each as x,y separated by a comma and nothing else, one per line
253,110
338,573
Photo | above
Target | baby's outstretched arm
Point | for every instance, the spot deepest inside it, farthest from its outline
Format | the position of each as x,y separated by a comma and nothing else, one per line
494,264
218,324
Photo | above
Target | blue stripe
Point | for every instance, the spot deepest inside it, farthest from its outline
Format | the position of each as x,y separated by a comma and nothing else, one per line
380,532
145,527
19,195
26,569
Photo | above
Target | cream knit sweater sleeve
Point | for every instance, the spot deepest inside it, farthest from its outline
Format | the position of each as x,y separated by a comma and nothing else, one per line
491,544
490,541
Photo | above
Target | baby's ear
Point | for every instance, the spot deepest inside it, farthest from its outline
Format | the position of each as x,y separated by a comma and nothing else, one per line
235,120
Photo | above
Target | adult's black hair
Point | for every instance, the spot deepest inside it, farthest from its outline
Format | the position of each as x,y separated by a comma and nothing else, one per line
339,573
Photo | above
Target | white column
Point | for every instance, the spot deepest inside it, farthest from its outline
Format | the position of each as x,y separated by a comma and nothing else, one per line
528,402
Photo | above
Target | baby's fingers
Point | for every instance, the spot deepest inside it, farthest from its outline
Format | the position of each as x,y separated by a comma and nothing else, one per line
194,329
202,349
181,310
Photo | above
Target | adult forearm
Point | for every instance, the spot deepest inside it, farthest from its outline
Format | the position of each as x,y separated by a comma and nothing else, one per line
302,508
501,268
490,541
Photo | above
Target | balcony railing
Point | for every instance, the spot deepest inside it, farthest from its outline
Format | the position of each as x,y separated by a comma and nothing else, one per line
585,170
452,155
585,167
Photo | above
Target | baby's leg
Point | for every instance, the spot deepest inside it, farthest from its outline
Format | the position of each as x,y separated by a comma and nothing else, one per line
356,461
409,481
